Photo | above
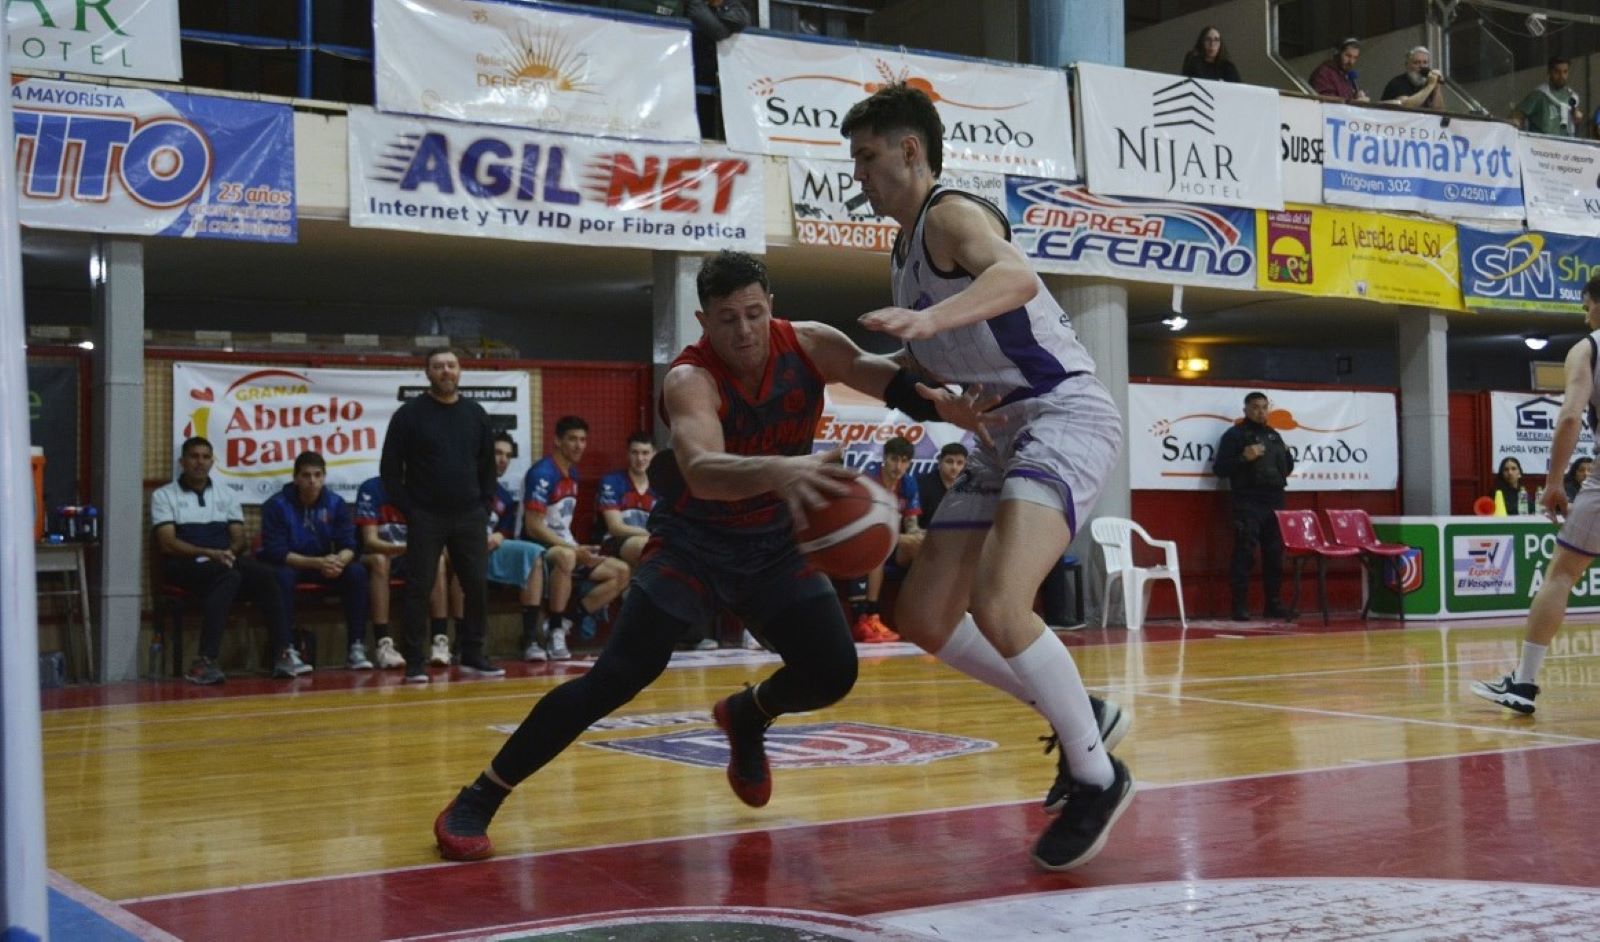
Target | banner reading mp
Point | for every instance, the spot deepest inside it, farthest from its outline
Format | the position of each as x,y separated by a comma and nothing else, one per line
474,180
1348,254
259,418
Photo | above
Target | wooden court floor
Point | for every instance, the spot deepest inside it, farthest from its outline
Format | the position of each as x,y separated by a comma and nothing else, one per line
1334,782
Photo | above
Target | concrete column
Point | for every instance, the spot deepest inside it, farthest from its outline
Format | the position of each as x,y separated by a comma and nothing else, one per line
118,479
1099,312
1424,412
1061,32
674,301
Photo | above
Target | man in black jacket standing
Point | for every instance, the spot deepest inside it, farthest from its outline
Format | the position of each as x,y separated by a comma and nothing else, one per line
1257,464
438,468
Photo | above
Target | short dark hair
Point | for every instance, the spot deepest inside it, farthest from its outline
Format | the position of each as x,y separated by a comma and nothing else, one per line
505,436
195,441
900,107
309,459
726,272
570,423
1557,60
641,438
954,448
427,358
1592,288
898,447
1252,397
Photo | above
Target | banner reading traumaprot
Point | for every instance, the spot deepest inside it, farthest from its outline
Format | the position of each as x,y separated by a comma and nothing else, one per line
259,418
147,162
1171,138
474,180
1522,426
1421,161
1561,184
786,97
1341,441
1348,254
121,38
536,66
1064,228
1526,271
830,208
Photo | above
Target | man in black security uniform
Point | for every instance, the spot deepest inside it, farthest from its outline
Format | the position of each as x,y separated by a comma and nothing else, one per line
438,468
743,405
1257,464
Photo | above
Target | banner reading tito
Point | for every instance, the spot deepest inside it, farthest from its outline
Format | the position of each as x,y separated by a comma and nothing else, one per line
145,162
786,97
259,418
122,38
1343,253
535,66
1526,271
1451,167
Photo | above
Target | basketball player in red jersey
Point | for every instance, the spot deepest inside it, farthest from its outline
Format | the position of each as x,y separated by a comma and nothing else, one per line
743,405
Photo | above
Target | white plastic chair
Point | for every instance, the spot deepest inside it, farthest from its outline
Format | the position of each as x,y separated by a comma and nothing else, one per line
1115,536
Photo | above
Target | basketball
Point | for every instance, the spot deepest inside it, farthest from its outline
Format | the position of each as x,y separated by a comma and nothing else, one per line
852,534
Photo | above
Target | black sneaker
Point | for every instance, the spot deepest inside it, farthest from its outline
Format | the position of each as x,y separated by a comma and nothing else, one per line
1113,722
1080,831
462,829
416,671
1508,693
749,773
475,663
1281,613
1241,614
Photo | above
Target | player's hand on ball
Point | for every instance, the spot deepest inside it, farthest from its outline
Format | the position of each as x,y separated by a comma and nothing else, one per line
809,480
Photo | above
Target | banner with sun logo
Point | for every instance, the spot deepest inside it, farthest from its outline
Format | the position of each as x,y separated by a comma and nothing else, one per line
1342,253
1526,271
536,67
1341,441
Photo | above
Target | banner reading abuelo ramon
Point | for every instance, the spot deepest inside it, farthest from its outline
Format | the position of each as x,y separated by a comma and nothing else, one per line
1341,441
474,180
1350,254
259,418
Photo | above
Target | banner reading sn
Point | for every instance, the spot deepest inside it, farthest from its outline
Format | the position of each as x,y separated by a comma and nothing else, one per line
1348,254
503,183
1341,441
1526,271
144,162
259,418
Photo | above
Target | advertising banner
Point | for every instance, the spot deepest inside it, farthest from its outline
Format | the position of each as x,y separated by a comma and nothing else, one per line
120,38
1417,160
1561,184
1498,565
830,208
535,66
1172,138
1522,426
1063,228
1347,254
474,180
1341,441
1300,148
1526,271
146,162
860,425
786,97
259,418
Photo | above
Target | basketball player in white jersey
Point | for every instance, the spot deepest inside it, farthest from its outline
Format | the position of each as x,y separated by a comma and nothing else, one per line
972,311
1578,543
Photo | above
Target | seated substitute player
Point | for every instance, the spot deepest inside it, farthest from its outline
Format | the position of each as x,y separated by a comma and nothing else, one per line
743,403
626,500
512,561
381,534
869,627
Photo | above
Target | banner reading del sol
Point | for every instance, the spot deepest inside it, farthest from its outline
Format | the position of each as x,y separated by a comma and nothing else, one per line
259,418
1341,441
1371,256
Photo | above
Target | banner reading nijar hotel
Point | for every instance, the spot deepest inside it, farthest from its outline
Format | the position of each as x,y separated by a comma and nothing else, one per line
119,38
258,419
1348,254
786,97
1341,441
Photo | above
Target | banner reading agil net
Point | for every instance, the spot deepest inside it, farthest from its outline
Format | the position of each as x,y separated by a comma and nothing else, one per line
147,162
258,419
787,97
122,38
1348,254
1420,161
1064,228
1526,271
475,180
1522,426
1561,183
831,209
535,66
860,425
1341,441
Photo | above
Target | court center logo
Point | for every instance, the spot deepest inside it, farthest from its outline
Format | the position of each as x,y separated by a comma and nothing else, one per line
1484,565
811,746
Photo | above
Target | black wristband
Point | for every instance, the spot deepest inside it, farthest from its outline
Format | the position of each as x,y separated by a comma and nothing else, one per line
901,394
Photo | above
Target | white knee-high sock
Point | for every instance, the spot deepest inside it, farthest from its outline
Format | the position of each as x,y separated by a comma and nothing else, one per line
1532,660
969,652
1051,680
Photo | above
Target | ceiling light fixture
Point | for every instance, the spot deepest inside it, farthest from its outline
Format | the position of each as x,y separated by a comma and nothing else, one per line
1193,364
1536,341
1176,322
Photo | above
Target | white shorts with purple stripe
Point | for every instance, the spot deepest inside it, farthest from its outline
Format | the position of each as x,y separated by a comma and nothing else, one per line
1056,450
1581,531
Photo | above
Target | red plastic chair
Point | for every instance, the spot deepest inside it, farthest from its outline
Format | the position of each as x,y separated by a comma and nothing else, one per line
1354,528
1303,540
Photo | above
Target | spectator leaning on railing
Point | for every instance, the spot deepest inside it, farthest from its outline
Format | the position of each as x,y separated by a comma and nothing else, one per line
1552,108
1209,58
1419,86
1336,77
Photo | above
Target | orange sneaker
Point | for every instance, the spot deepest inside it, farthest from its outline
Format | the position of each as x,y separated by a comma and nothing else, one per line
884,632
865,630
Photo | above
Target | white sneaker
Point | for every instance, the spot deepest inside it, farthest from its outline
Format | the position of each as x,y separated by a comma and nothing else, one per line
706,644
749,641
534,652
388,657
297,665
558,644
357,661
441,651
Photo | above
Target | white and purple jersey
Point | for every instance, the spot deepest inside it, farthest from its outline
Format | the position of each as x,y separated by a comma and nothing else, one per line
1023,353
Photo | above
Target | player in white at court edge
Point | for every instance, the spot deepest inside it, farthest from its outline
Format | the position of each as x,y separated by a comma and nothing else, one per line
972,311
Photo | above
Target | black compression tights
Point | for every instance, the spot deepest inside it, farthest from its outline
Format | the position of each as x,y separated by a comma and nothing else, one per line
819,669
